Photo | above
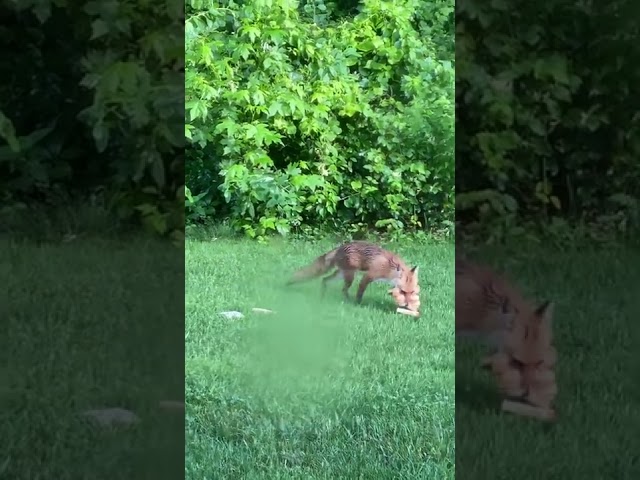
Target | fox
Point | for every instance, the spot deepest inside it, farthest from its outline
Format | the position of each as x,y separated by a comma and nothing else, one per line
491,309
379,265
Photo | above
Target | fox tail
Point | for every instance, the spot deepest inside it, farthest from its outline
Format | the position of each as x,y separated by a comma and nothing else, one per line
320,266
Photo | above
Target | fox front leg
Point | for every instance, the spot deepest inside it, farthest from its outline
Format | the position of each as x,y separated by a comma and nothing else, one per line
488,359
364,283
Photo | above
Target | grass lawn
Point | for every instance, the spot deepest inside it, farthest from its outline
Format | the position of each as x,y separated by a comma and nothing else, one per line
596,300
89,324
321,389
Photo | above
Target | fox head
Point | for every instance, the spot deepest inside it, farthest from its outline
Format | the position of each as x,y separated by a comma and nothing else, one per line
529,332
407,283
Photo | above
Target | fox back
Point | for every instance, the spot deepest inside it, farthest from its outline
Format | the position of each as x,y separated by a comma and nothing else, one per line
491,309
381,264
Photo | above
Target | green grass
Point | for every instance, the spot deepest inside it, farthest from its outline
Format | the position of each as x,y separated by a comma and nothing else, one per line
92,323
596,312
322,389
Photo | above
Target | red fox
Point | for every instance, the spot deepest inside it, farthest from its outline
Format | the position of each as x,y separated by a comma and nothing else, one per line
377,263
488,307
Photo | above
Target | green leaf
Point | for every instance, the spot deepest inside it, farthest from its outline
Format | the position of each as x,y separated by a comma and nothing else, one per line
229,126
554,67
537,127
98,28
157,171
510,203
101,136
366,46
8,133
275,108
42,10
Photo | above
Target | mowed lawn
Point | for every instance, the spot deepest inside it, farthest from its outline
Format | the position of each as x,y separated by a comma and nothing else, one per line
320,389
90,324
595,320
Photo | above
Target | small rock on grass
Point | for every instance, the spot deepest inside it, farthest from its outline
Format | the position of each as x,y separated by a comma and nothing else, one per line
111,417
232,314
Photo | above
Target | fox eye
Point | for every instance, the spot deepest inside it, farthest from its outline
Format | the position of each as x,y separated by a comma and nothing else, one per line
516,363
505,306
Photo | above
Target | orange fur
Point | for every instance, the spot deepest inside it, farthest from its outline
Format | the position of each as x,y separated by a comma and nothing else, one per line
490,307
410,301
377,263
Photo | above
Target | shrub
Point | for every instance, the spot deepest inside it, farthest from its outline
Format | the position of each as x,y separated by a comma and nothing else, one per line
546,120
93,98
299,120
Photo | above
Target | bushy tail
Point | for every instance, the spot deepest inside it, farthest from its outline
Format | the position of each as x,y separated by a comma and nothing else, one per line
320,266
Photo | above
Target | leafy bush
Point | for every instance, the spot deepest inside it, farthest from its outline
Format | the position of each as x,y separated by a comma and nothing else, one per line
546,124
93,97
299,117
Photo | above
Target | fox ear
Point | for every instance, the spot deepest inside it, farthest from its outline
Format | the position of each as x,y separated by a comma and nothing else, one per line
414,269
544,312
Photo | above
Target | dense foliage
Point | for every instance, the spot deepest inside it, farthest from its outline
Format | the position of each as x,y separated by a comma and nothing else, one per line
92,101
313,114
547,114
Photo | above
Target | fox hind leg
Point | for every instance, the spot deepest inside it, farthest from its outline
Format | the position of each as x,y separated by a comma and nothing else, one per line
348,276
327,279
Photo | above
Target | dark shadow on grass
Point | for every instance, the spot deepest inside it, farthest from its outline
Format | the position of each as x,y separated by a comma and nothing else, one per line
370,300
376,303
473,393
